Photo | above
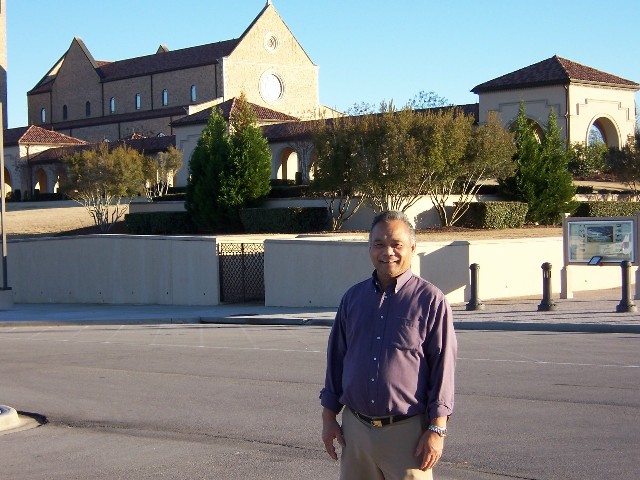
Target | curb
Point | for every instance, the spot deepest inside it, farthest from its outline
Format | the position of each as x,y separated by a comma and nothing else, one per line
257,320
549,327
11,421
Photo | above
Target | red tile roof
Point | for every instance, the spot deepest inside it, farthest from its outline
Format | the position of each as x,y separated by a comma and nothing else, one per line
553,71
263,114
35,135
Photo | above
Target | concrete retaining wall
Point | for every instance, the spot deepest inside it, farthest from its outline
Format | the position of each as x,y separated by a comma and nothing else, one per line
315,272
310,271
115,269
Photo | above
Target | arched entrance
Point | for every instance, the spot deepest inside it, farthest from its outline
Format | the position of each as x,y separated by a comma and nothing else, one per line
603,130
41,181
287,165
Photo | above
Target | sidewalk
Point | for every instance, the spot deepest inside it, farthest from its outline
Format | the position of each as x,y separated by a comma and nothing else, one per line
587,312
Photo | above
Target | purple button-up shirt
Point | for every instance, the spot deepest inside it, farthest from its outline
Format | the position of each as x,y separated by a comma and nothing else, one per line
392,352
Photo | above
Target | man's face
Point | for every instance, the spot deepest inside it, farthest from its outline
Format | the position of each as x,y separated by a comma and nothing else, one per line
391,249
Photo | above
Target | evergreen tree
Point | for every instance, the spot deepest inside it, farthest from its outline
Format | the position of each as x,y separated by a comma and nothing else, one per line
247,174
205,171
230,169
542,178
557,190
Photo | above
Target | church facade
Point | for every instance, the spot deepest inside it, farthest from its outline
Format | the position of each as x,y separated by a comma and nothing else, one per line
96,100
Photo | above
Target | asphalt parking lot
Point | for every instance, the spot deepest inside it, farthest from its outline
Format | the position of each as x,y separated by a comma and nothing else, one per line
240,402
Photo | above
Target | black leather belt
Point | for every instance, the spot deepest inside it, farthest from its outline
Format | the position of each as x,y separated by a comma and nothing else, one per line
381,421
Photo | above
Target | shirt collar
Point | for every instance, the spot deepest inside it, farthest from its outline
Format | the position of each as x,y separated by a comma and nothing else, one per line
400,281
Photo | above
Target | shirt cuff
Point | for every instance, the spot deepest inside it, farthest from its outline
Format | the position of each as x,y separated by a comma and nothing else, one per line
436,411
330,400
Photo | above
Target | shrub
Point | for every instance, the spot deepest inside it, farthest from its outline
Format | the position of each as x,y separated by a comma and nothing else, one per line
159,223
285,220
495,215
607,209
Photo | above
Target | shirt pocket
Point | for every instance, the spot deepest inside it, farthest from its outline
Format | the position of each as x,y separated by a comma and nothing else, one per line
406,334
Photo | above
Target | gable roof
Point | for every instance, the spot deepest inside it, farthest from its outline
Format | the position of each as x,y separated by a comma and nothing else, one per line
35,135
46,83
161,61
263,114
167,60
553,71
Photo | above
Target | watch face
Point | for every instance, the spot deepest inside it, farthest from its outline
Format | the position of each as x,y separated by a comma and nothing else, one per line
270,87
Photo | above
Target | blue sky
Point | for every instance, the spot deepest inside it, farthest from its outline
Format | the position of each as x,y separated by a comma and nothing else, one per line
367,50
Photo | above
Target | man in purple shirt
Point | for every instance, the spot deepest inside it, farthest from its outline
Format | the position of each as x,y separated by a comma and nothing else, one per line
390,361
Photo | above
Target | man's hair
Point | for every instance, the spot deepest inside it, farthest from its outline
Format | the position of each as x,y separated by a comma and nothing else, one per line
390,216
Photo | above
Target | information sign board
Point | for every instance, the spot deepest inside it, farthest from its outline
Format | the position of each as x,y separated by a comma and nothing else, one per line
598,241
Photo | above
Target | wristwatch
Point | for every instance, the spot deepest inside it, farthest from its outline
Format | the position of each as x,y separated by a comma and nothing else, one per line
442,431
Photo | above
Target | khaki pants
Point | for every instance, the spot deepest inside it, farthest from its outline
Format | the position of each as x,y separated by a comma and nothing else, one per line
385,453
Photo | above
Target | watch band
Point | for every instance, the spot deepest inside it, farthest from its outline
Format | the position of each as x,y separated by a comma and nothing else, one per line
442,431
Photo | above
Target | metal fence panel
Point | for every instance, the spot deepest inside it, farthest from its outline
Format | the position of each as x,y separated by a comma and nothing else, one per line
241,272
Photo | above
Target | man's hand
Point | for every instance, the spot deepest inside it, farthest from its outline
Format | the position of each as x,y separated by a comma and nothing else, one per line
331,431
430,448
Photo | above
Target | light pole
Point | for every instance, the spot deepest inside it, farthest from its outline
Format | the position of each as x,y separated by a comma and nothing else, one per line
6,297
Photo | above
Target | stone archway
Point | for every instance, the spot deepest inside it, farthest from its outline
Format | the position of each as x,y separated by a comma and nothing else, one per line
287,164
41,181
538,131
603,130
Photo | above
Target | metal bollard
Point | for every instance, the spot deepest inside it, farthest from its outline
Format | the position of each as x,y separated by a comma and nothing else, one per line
546,304
626,304
474,302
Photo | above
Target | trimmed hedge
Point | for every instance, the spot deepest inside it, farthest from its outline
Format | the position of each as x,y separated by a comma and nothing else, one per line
159,223
495,215
285,220
607,209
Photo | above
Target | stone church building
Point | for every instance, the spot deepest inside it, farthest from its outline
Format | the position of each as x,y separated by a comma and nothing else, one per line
169,95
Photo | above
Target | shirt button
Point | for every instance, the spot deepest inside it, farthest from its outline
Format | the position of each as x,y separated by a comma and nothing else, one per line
377,338
375,358
373,401
373,380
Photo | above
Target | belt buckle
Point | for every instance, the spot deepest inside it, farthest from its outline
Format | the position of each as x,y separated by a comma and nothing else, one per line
376,423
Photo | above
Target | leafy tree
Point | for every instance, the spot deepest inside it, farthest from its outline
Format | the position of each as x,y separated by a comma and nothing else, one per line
338,167
229,169
482,153
542,178
104,181
586,160
625,164
424,99
160,171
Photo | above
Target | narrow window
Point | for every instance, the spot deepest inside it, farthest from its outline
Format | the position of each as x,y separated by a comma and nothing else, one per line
193,93
64,112
43,115
112,105
137,101
165,97
87,109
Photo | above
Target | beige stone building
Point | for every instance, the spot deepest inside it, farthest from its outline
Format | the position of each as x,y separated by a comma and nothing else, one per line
586,100
21,146
95,100
168,94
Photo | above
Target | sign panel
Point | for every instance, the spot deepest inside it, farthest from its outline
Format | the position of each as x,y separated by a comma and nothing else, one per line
597,241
